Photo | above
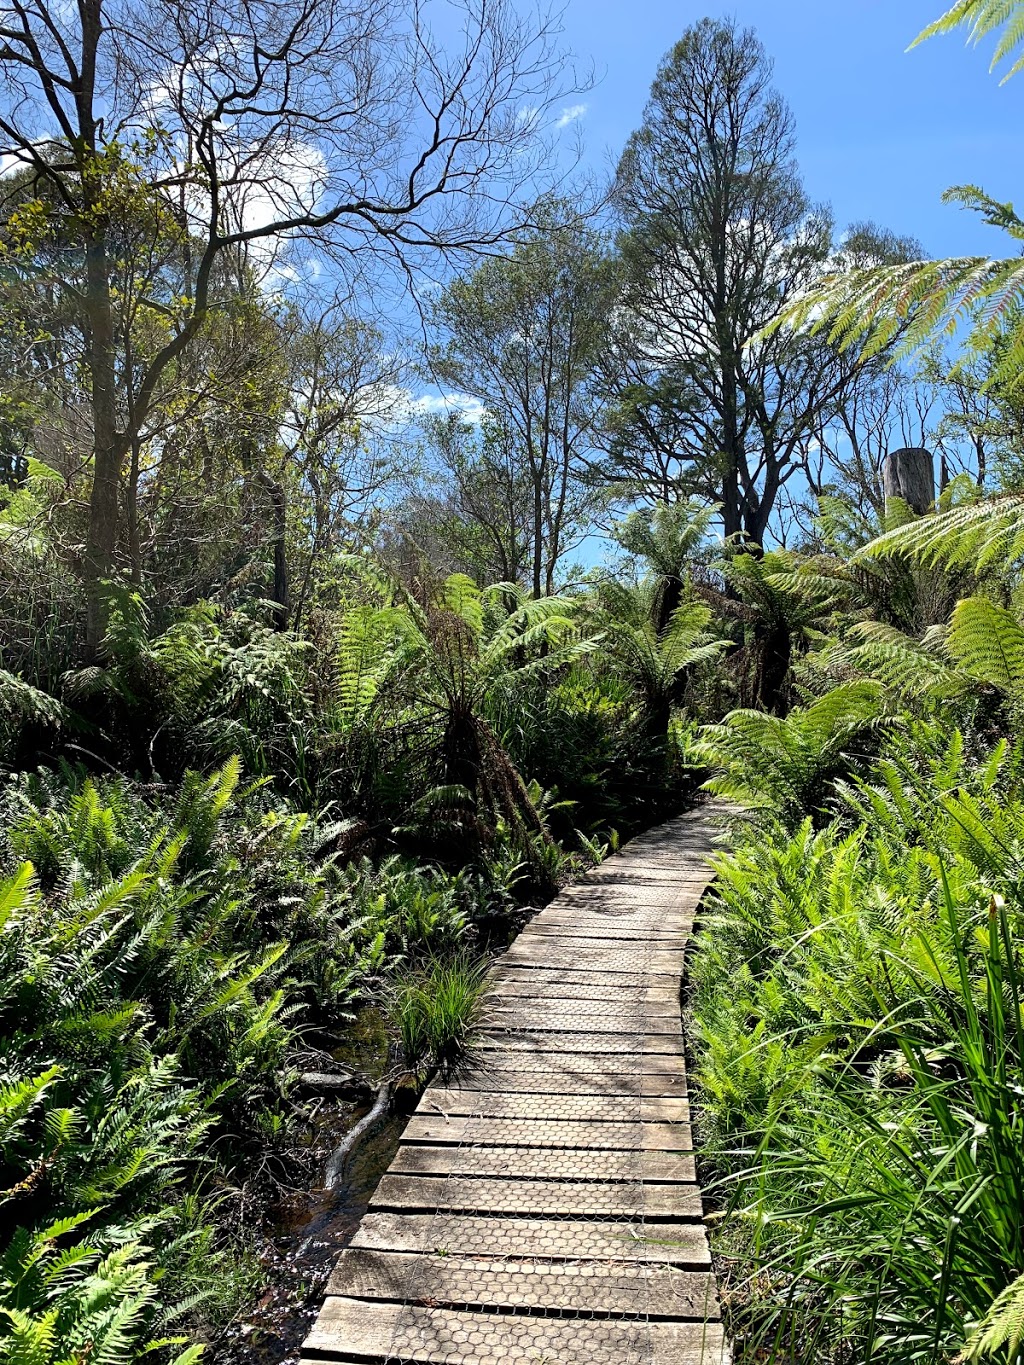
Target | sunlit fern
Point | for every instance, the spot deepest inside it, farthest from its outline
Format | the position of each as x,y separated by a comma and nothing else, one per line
785,766
1001,1331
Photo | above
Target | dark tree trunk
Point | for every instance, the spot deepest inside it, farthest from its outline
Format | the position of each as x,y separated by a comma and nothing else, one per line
132,513
279,508
909,474
774,657
669,597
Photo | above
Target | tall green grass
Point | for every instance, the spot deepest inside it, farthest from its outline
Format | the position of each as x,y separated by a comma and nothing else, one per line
436,1010
857,1010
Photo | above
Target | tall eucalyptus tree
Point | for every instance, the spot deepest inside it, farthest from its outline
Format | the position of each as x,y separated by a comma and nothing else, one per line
218,130
718,235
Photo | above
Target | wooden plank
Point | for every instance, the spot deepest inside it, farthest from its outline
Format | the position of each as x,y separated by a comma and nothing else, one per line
560,1016
459,1281
642,1241
544,1040
542,1198
585,1108
542,1163
548,1080
360,1330
643,1137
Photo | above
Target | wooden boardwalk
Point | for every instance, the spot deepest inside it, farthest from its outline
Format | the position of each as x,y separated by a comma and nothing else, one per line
546,1210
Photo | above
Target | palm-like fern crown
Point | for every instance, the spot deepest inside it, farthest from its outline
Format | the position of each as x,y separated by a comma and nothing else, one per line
982,18
783,589
670,537
784,765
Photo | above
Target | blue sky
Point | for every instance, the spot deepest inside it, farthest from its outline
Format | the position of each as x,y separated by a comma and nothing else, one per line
881,132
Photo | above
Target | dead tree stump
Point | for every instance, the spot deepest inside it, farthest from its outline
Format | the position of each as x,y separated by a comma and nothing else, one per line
910,474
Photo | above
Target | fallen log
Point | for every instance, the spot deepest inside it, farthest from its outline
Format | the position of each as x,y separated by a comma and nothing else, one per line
332,1080
336,1164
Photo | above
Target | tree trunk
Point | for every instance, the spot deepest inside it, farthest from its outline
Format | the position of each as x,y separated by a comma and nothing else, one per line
670,594
774,658
132,513
279,507
909,474
538,536
101,536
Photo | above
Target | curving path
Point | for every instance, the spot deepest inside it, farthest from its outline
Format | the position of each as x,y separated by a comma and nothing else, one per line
546,1210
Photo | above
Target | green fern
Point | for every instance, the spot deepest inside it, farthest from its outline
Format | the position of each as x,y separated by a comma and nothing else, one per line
785,767
86,1302
901,309
980,534
987,642
912,668
1001,1331
983,18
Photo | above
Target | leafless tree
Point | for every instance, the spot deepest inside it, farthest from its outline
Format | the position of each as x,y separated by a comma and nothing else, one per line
521,335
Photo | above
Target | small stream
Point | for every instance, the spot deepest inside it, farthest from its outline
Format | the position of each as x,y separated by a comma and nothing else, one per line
308,1230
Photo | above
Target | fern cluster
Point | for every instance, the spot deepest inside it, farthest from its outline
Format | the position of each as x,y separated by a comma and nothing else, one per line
163,961
857,1014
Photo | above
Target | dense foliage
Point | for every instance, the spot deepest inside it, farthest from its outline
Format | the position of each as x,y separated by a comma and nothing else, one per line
305,699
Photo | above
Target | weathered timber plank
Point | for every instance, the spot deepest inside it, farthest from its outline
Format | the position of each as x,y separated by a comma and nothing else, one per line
358,1329
547,1080
583,1108
644,1137
562,1017
547,1198
642,1242
620,1044
542,1163
457,1281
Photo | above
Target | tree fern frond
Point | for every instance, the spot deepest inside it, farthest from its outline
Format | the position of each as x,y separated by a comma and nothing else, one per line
987,641
901,308
1001,1329
980,535
982,18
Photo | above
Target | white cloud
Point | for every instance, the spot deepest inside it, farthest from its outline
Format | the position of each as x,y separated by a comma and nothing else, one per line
570,114
434,404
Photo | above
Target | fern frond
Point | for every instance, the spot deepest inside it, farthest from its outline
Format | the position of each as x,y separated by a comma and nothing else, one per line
982,18
979,535
987,642
1002,1327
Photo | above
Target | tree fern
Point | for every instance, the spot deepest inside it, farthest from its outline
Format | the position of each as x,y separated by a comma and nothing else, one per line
785,766
987,642
902,308
982,535
909,667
